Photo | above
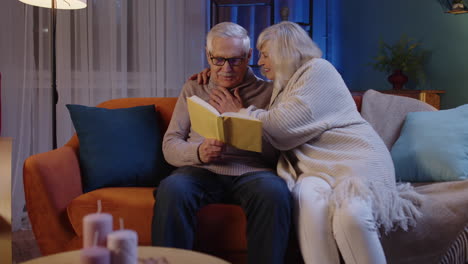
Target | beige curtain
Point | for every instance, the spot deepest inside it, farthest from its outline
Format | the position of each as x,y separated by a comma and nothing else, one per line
111,49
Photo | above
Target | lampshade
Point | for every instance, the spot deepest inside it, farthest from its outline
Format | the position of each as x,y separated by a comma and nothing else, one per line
60,4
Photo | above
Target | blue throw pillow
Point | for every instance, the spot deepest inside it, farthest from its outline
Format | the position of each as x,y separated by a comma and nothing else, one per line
118,147
433,146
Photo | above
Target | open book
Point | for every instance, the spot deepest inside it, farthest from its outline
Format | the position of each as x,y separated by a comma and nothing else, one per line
238,130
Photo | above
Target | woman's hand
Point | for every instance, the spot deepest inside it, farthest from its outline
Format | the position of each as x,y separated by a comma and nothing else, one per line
224,101
202,77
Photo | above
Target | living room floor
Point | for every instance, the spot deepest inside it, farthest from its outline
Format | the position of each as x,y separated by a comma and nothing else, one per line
24,246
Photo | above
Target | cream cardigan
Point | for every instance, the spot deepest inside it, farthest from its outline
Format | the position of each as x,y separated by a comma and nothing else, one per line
314,121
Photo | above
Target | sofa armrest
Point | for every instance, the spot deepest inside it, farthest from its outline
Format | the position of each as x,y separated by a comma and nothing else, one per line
51,181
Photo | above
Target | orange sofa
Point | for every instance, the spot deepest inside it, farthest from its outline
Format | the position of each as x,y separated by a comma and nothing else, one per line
56,205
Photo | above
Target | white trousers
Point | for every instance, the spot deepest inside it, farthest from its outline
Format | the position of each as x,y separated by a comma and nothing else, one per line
349,229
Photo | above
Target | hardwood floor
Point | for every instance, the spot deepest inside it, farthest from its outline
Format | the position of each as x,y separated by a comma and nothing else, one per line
24,246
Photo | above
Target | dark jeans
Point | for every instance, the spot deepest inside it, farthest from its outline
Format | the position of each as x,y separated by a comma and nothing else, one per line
263,196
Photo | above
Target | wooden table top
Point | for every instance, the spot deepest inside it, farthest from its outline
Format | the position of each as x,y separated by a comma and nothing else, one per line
172,255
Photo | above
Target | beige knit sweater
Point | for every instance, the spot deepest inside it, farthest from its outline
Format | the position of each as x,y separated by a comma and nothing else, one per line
180,143
314,121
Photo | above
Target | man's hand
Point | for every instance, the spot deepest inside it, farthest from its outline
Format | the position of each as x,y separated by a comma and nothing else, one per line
210,150
203,77
224,101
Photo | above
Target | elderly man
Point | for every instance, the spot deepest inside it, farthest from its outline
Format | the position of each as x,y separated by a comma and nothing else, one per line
211,172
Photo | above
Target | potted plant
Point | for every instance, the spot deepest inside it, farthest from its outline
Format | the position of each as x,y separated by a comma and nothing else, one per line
403,59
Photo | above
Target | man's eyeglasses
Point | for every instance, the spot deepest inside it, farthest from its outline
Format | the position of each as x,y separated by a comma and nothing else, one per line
219,61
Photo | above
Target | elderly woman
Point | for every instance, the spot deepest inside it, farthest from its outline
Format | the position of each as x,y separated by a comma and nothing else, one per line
339,170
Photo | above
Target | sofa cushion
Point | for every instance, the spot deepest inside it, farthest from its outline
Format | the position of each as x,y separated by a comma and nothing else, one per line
118,147
133,204
386,113
433,146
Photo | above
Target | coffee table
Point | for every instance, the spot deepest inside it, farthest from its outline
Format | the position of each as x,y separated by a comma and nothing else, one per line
172,255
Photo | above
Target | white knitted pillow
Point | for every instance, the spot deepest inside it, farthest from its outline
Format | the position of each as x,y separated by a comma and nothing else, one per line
386,113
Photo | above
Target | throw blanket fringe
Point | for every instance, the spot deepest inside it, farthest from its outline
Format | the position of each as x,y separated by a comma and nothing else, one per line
458,251
392,207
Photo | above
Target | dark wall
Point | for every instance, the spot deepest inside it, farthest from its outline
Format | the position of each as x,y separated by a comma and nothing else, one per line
355,28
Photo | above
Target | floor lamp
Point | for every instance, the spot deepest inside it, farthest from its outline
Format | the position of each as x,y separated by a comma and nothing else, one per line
54,5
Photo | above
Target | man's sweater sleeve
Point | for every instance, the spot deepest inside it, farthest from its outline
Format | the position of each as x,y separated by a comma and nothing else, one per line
177,150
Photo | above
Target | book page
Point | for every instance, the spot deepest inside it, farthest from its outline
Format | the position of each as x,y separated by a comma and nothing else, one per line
239,115
203,103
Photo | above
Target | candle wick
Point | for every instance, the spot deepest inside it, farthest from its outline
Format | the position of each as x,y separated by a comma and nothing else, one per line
99,206
121,223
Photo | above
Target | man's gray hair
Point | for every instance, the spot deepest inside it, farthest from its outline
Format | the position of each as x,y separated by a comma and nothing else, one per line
289,48
228,30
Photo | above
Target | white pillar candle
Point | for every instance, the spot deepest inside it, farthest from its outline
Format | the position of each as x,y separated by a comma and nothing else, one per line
123,245
100,223
95,255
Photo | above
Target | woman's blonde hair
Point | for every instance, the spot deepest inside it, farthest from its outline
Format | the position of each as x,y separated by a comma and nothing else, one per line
289,48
